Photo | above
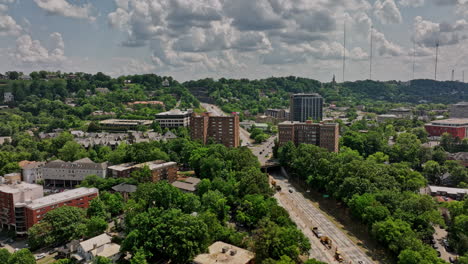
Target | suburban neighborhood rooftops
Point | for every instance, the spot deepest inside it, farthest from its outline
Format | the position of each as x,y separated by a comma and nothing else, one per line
96,241
61,197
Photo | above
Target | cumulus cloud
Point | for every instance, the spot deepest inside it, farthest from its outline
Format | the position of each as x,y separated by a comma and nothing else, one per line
411,3
428,33
387,12
64,8
31,52
8,26
385,47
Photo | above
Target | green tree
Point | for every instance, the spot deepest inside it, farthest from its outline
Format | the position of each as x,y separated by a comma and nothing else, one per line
22,256
66,223
101,260
71,151
97,208
39,235
4,255
139,258
216,202
95,226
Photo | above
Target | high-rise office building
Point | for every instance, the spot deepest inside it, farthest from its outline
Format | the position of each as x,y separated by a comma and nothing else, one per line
305,107
222,129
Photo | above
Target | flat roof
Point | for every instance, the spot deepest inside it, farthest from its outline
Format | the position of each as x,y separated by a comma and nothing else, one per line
20,187
61,197
174,112
125,122
450,121
220,252
187,184
151,164
448,189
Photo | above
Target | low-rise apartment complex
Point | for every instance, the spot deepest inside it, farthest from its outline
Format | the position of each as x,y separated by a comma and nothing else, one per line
60,173
123,124
174,118
160,170
457,127
325,135
221,129
22,205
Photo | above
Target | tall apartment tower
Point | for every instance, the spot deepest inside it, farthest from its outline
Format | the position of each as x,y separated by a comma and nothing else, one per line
222,129
306,106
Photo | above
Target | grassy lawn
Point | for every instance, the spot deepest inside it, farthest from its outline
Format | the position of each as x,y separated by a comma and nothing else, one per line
47,260
199,110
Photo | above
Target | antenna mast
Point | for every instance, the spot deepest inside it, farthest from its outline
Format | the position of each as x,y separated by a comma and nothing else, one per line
414,54
463,76
436,60
453,74
370,57
344,50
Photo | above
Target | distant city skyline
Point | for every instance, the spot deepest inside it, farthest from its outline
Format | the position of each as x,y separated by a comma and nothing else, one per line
193,39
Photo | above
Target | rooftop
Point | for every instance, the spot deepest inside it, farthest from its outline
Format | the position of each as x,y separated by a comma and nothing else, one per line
85,163
16,188
461,104
451,121
125,122
187,184
97,241
61,197
175,112
151,164
448,190
220,252
124,187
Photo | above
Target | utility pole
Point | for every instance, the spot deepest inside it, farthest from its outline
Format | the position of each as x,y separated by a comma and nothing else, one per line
436,60
370,57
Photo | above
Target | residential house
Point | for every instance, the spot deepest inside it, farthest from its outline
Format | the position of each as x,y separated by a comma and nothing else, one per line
101,246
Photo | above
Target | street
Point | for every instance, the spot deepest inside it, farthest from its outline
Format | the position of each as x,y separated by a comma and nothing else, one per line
306,216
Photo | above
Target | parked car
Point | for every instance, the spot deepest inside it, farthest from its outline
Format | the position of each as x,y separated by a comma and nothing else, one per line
291,190
40,256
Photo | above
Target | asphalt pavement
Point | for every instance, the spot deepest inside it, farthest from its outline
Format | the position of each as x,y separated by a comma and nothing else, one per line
307,216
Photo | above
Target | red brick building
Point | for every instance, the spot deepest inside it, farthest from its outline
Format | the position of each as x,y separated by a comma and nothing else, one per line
457,127
160,170
222,129
35,211
325,135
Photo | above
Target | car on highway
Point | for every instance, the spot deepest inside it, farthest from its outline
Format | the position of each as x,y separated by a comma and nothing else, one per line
291,190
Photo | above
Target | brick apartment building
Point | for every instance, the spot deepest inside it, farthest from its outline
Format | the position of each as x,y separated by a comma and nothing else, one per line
23,205
35,211
222,129
324,135
160,170
12,194
457,127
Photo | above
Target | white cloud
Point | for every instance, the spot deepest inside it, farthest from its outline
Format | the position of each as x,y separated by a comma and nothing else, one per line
130,66
387,12
411,3
428,33
64,8
3,8
31,53
8,26
385,47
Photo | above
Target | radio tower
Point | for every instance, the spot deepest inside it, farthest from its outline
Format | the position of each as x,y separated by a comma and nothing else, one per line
370,57
414,54
436,60
453,75
344,50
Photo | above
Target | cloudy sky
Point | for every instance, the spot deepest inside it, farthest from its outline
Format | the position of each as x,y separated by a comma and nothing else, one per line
191,39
